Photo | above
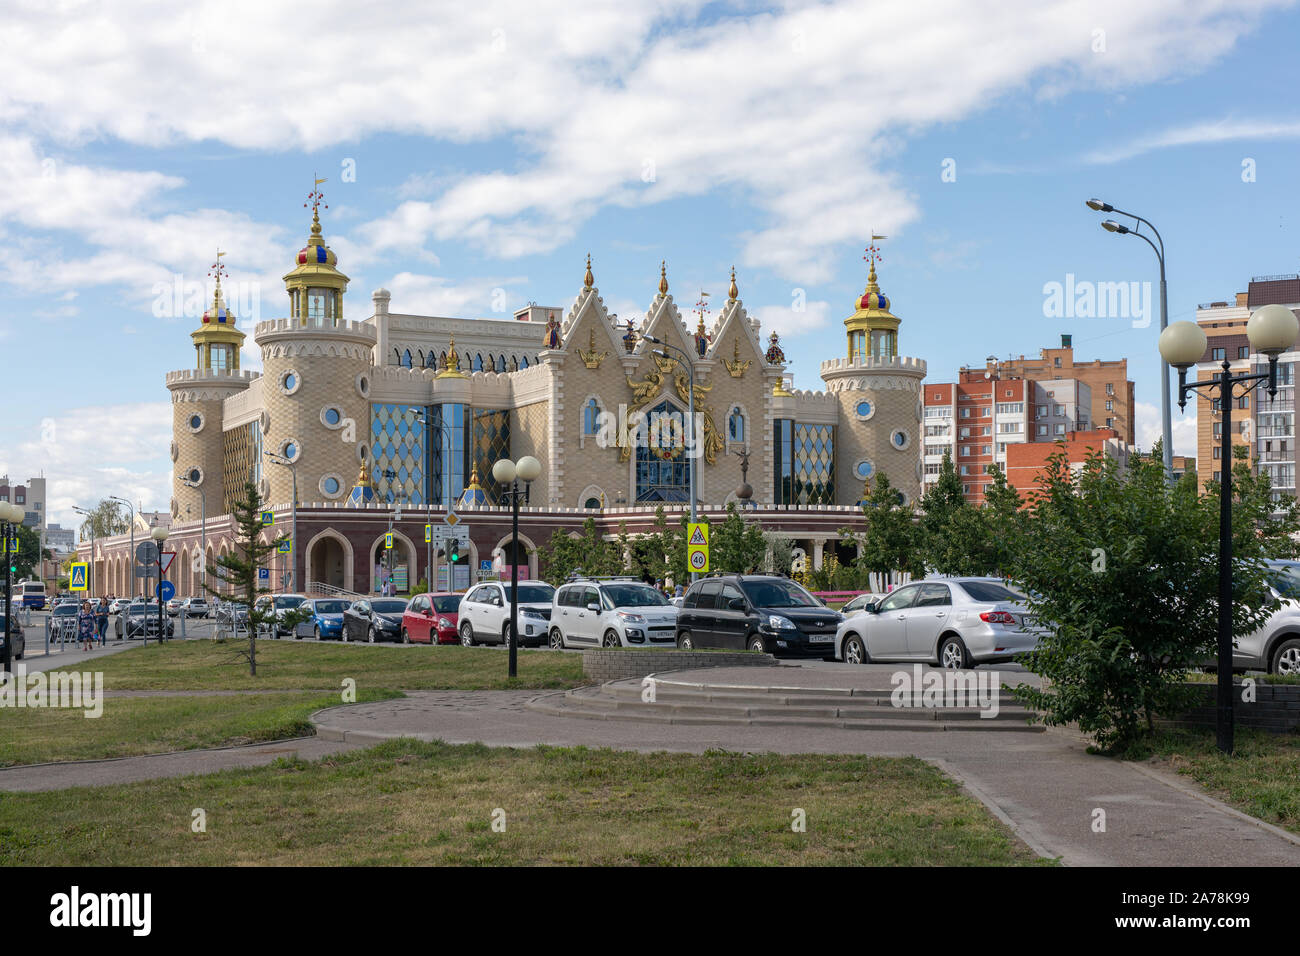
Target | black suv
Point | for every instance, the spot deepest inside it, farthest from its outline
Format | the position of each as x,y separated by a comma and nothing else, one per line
758,612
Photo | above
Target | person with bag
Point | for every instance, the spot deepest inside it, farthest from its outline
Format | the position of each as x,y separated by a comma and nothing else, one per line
101,620
86,627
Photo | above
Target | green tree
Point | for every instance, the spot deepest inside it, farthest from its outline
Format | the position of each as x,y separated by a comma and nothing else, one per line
106,519
736,546
782,551
1003,523
236,572
30,553
950,529
1121,571
586,553
891,541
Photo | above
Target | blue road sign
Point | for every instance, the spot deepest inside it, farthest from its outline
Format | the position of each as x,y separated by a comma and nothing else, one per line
268,518
263,574
166,591
485,565
77,577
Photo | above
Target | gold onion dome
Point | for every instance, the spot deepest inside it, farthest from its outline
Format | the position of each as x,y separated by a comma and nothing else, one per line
873,300
316,252
218,313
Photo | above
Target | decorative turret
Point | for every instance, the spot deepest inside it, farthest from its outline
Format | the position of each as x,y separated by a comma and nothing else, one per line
872,329
315,285
453,362
217,340
363,492
473,496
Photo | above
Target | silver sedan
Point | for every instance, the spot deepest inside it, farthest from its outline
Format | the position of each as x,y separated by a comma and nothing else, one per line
953,622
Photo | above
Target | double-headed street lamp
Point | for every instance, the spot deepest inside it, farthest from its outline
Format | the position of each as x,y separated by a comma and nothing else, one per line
11,516
683,359
159,536
1166,419
1271,330
506,472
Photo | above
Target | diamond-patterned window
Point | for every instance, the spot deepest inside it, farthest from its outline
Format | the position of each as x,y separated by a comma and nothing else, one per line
398,450
805,463
491,443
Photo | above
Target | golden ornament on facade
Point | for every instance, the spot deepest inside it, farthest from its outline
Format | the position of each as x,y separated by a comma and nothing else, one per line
453,363
590,357
780,391
734,365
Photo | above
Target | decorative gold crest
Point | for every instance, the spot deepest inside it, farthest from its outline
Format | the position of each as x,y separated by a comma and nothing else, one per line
590,357
734,365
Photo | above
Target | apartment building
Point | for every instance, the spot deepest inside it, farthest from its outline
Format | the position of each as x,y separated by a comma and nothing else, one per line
1110,390
1026,462
31,496
974,423
1264,426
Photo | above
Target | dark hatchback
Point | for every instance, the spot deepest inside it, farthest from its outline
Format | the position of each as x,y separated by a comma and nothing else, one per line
757,612
20,641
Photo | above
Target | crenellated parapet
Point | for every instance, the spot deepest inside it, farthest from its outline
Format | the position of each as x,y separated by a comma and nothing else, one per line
291,338
208,385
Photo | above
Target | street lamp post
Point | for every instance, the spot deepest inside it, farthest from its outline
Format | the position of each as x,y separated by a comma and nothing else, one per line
191,482
293,533
1271,330
11,516
507,472
94,581
692,452
133,558
159,536
1166,416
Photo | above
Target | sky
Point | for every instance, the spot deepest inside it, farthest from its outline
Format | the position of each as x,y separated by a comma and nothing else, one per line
474,154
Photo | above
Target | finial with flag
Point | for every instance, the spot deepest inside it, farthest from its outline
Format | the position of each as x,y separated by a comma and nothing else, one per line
315,198
218,269
872,252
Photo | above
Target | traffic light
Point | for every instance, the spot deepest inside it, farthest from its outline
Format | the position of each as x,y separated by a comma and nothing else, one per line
453,550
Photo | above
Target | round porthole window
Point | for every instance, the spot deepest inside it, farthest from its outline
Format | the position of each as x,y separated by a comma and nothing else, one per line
900,439
864,410
194,475
175,451
331,486
290,450
331,416
290,381
864,469
196,423
363,384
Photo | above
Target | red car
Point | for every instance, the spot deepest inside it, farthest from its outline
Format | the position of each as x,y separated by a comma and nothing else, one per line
431,619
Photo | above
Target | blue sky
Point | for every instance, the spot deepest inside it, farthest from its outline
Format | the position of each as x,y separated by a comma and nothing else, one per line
493,149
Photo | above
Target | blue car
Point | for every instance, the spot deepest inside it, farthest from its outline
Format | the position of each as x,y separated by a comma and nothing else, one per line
326,621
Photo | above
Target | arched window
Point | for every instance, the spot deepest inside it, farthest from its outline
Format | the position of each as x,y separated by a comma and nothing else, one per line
478,363
593,503
591,417
523,362
406,359
736,425
442,360
500,364
397,356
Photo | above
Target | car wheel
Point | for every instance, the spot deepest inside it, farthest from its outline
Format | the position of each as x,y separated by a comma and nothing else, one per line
855,652
316,631
684,641
611,639
406,638
1286,658
505,636
755,643
557,639
372,637
467,635
952,654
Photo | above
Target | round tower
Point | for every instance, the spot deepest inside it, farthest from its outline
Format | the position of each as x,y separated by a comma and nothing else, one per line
316,381
198,400
879,396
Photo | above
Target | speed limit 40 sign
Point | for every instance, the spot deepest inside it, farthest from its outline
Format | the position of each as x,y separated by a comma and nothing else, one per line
697,546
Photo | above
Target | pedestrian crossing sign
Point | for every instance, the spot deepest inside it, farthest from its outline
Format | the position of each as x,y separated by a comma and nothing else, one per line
388,540
78,579
428,534
286,546
268,519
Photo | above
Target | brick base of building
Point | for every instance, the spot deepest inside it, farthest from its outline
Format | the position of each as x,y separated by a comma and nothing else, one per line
601,664
1276,708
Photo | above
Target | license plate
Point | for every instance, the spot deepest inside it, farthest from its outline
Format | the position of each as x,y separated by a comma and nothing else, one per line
820,638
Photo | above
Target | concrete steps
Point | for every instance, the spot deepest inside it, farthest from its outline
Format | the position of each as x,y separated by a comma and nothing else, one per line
691,703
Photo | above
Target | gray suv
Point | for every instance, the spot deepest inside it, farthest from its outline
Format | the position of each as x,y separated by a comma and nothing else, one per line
1275,646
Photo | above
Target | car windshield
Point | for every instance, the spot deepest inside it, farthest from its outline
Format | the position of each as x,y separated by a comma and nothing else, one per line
633,595
65,610
388,607
989,591
532,594
778,593
1286,580
331,607
447,603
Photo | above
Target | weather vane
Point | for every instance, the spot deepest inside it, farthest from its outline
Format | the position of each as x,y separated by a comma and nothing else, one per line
218,268
702,306
872,252
315,198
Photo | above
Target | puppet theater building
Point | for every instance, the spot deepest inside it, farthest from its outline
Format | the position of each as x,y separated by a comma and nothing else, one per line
387,420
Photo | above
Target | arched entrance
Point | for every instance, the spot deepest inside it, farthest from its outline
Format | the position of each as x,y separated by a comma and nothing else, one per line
329,561
401,559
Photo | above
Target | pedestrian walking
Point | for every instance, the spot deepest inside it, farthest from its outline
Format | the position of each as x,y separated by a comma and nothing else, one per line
101,620
86,627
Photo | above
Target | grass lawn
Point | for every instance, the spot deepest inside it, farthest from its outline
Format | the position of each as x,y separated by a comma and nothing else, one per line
289,665
407,802
1261,778
130,726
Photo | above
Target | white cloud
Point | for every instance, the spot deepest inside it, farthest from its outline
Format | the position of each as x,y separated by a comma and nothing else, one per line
1146,421
1198,134
415,294
622,104
784,320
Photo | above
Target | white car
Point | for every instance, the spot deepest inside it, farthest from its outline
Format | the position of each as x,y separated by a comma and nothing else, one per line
283,604
484,616
611,612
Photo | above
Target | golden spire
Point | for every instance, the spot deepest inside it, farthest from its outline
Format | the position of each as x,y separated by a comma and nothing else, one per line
363,479
588,280
733,293
663,277
473,480
453,362
315,197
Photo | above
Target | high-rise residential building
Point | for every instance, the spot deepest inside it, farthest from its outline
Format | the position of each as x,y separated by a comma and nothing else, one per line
1111,391
1264,426
30,496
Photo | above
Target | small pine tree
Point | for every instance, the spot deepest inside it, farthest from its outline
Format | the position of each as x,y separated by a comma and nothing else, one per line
238,569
